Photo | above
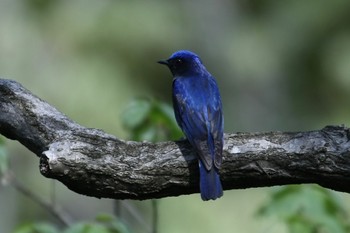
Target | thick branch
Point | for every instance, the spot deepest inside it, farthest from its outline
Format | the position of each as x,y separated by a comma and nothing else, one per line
94,163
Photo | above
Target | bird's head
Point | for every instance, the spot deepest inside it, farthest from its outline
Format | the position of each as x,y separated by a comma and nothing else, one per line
184,62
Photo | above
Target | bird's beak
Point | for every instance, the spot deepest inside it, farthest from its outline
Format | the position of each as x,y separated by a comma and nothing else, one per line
163,62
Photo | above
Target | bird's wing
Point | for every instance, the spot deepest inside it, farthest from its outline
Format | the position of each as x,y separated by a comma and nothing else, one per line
201,121
216,121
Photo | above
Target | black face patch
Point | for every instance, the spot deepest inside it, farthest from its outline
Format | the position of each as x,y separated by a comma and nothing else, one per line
179,65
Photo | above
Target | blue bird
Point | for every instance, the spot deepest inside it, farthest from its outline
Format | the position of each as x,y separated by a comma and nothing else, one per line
198,111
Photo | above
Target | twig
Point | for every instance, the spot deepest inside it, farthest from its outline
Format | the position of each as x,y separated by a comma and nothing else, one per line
155,216
54,210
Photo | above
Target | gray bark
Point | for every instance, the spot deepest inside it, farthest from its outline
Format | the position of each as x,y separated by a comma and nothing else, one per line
94,163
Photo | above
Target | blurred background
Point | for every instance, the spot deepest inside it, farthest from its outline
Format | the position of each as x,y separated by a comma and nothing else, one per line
280,65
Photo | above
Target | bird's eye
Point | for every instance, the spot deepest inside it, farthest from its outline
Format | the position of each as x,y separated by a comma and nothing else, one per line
178,61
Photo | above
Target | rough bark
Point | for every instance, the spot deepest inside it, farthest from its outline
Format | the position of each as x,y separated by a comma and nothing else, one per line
94,163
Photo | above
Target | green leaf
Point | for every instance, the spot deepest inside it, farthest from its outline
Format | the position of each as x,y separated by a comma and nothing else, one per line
107,224
119,227
94,228
44,228
136,113
307,208
105,218
77,228
25,228
113,224
150,121
298,224
37,228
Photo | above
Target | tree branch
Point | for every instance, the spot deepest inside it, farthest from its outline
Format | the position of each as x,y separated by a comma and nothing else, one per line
94,163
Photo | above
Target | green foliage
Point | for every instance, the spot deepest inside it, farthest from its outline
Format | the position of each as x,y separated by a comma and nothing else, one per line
37,228
307,209
114,225
150,120
102,224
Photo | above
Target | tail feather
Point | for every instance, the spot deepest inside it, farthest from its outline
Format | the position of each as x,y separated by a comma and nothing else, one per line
210,184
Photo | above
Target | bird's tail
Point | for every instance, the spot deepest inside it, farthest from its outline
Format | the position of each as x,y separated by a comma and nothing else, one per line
210,184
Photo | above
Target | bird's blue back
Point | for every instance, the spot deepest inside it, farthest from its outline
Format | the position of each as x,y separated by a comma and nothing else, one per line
198,112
